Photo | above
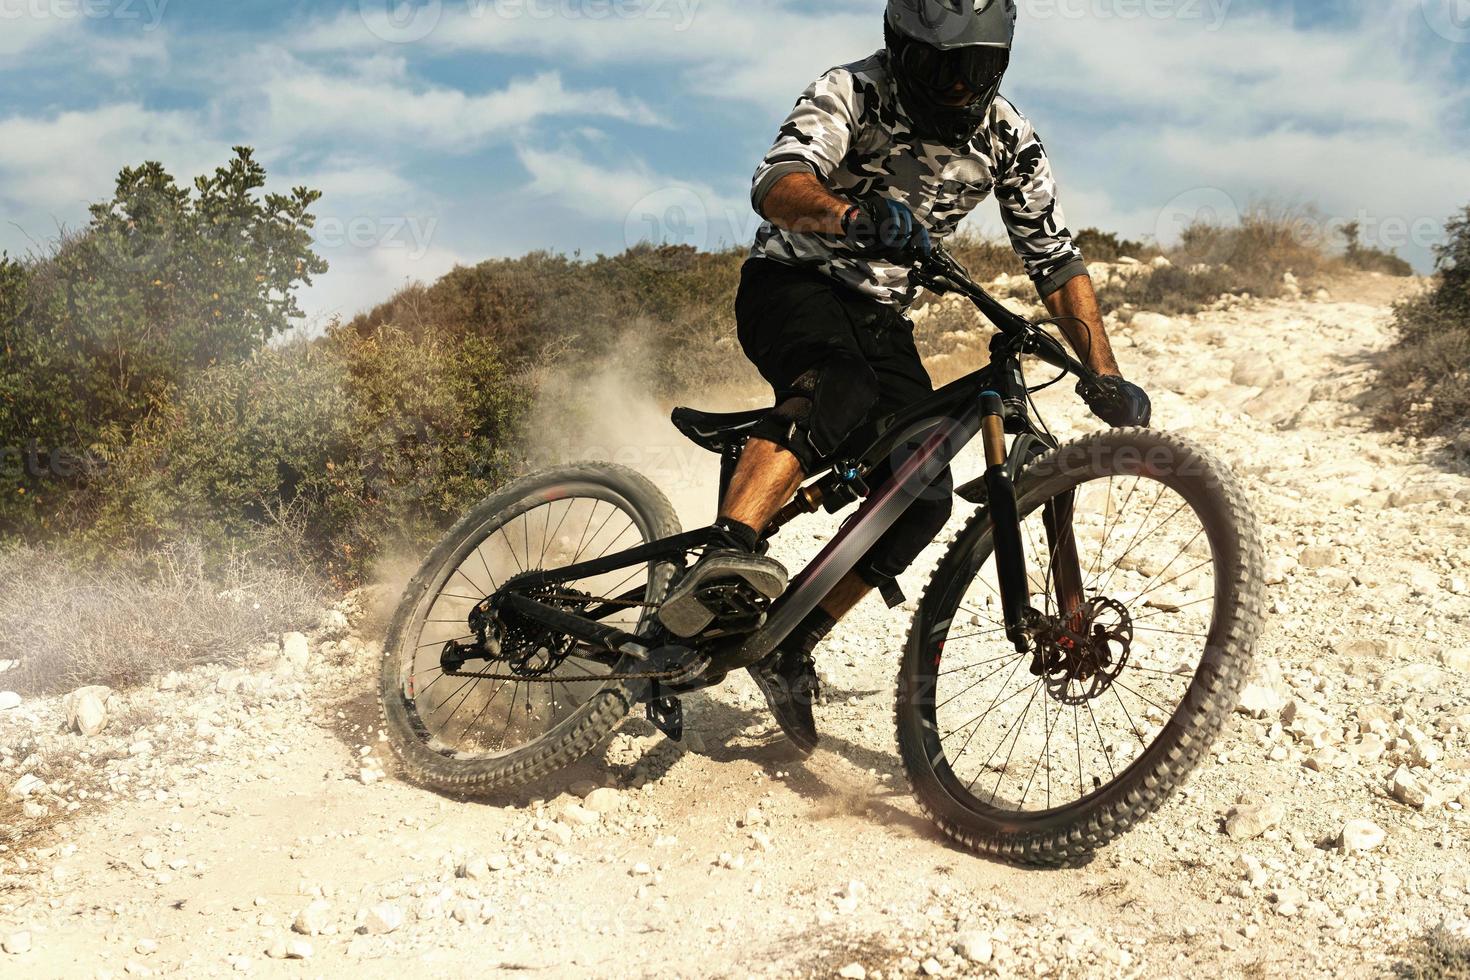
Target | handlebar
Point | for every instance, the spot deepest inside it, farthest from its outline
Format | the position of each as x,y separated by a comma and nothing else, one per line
942,273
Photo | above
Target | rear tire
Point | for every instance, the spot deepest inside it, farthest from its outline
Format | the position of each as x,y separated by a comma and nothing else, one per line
439,766
1071,832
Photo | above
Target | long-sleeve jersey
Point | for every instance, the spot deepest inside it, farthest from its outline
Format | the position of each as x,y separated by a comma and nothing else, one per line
849,129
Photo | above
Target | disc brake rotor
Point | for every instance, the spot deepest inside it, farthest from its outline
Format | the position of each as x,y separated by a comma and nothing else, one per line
1081,659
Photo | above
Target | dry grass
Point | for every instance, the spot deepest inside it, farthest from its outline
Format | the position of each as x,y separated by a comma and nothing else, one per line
1437,955
71,624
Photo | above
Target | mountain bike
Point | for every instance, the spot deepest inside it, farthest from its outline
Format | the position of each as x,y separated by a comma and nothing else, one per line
1078,648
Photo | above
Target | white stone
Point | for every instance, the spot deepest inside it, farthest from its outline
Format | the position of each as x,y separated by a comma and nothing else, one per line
1260,701
86,709
9,700
314,919
17,943
579,816
853,971
975,947
1404,787
26,785
382,919
1253,819
1361,835
604,799
1151,322
1458,660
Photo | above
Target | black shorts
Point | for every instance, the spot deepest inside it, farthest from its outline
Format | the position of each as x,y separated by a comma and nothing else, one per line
791,320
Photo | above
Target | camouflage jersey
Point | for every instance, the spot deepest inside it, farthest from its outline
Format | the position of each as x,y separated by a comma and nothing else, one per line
849,128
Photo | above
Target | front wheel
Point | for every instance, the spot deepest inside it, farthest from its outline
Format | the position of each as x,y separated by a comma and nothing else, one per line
1047,755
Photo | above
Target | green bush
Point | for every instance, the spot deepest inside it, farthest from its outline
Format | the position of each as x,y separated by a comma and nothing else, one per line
1104,246
1425,377
163,283
1371,259
331,450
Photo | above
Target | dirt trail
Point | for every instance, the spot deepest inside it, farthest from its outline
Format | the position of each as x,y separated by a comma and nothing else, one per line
247,811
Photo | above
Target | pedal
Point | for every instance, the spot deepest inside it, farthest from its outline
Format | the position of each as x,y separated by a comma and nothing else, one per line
667,715
737,607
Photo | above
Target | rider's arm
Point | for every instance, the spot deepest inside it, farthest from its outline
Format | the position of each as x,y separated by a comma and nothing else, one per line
789,188
1076,299
800,202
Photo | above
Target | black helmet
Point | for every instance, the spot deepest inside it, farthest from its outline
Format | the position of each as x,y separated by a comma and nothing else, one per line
935,44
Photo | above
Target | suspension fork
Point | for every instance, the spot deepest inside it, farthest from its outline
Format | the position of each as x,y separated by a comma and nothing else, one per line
1066,567
1005,520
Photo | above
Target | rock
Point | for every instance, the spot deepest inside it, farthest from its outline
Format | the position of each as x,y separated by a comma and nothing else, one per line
497,862
1361,835
334,623
86,709
295,653
314,919
1374,717
579,816
1260,701
1279,405
1250,820
1319,556
1457,660
853,971
1160,262
152,860
231,681
975,947
382,919
1404,787
1412,677
1256,371
17,943
1277,568
1151,322
26,785
9,700
605,799
931,967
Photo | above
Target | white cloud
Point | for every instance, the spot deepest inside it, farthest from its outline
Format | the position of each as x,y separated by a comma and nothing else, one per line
70,158
648,206
376,102
20,33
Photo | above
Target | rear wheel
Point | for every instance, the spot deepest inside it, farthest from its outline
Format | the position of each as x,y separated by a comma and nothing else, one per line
468,734
1045,756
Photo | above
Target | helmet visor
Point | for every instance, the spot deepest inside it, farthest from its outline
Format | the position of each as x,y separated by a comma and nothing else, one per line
938,72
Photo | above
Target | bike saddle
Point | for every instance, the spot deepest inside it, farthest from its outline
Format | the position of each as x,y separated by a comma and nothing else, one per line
717,431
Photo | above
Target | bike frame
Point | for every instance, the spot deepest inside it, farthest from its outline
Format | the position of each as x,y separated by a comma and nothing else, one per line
992,399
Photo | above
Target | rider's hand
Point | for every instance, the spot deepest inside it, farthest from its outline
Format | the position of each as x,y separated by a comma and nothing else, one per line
878,228
1117,402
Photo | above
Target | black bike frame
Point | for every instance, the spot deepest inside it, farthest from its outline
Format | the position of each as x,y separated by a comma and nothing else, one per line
943,424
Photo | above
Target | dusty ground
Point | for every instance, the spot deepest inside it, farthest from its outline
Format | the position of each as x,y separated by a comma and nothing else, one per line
223,822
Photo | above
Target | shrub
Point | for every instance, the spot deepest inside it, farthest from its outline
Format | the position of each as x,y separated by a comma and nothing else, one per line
1424,379
1105,246
162,284
1371,259
330,449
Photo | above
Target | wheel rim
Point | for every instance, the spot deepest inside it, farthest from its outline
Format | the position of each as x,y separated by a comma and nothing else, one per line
475,718
1007,742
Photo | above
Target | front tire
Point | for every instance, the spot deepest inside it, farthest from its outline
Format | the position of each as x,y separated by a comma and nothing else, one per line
1139,776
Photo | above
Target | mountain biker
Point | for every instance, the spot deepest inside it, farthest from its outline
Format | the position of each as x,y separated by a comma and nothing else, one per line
879,159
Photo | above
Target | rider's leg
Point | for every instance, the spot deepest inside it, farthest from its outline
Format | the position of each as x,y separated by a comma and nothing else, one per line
765,479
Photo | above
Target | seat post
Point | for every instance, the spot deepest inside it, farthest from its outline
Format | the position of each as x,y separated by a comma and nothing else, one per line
729,459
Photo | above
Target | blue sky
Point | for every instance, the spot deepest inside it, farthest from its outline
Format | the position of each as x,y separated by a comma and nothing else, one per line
446,131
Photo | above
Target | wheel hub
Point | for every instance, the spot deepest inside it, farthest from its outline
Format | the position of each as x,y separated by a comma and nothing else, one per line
527,647
1080,656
